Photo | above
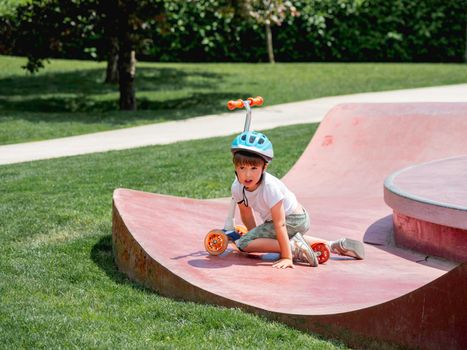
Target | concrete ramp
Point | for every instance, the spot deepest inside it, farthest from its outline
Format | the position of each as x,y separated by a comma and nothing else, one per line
394,296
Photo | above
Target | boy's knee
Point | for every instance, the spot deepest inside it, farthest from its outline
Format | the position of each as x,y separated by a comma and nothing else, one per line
241,243
241,249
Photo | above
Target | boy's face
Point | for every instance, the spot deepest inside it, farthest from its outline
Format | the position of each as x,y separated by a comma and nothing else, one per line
249,175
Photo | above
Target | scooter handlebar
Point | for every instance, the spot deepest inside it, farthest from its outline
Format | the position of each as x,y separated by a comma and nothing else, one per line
257,101
234,104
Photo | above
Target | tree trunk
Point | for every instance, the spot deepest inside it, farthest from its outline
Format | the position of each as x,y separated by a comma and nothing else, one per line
126,55
465,53
126,71
269,42
111,74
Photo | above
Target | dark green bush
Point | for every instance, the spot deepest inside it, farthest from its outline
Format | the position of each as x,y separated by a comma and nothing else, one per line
326,30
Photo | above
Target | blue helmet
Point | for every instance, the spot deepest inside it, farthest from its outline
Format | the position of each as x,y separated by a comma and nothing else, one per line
253,142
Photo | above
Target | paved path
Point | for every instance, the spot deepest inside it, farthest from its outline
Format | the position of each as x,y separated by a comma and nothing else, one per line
215,125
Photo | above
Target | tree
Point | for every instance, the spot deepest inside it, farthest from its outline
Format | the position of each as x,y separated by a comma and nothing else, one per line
269,13
48,28
465,52
135,21
126,24
108,22
110,29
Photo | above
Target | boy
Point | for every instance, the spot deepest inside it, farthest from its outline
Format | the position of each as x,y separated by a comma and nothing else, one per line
285,220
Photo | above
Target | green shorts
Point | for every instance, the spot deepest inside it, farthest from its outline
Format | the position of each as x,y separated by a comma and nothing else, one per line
293,222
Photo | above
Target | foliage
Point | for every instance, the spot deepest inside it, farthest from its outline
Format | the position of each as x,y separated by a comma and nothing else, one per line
336,30
378,30
326,30
77,29
201,31
54,28
270,11
8,7
214,30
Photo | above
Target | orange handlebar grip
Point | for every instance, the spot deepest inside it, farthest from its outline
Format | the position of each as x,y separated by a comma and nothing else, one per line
257,101
234,104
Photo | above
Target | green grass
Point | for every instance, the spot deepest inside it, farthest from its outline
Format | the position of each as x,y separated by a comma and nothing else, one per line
68,97
59,286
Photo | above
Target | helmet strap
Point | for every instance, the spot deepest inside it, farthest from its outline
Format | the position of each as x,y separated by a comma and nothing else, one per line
245,198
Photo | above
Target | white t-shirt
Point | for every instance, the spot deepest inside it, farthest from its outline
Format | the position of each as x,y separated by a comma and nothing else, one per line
270,191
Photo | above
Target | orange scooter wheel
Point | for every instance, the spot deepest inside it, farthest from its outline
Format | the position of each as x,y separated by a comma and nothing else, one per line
323,252
241,229
216,242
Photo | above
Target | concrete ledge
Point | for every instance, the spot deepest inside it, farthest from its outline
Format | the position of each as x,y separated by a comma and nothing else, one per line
430,207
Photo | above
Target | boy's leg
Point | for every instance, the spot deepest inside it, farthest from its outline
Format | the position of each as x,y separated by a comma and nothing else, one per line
348,247
262,239
262,245
302,251
261,232
344,246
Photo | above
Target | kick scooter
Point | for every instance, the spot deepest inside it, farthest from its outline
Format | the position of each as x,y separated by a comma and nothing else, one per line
217,240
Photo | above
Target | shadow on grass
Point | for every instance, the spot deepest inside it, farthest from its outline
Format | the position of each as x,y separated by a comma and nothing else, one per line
82,97
102,256
90,81
80,109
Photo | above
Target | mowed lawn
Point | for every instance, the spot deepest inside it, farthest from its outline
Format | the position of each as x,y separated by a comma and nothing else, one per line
59,286
69,97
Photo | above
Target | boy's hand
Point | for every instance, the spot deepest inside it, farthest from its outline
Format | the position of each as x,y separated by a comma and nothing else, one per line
283,264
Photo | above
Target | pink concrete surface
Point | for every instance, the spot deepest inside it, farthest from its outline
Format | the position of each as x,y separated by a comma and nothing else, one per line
394,295
430,207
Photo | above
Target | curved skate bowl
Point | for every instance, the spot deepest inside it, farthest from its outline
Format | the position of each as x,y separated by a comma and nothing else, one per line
395,296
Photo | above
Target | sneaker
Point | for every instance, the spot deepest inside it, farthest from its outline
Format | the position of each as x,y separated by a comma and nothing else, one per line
302,251
348,247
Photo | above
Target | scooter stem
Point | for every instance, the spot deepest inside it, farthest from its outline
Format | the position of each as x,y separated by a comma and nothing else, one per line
248,116
230,220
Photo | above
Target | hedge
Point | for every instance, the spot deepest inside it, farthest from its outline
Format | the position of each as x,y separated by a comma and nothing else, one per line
326,30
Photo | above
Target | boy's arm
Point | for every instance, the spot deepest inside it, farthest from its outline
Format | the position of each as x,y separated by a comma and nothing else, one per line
278,218
248,218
